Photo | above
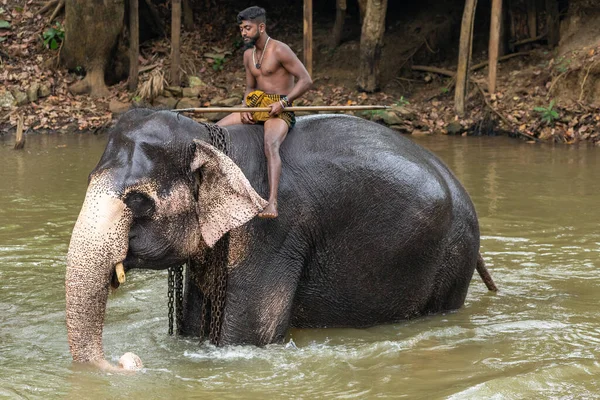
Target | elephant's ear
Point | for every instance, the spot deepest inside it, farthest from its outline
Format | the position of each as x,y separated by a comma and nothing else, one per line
226,200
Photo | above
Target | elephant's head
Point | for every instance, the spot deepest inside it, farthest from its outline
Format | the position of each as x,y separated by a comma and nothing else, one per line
156,199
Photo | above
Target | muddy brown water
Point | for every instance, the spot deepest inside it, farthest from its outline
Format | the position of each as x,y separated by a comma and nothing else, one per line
539,337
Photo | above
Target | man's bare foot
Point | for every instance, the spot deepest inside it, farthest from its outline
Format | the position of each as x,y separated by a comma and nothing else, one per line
269,212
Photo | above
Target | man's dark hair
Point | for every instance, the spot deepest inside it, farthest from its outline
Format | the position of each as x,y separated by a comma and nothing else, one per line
254,14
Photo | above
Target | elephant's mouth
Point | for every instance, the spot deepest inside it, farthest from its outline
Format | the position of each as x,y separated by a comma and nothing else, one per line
134,261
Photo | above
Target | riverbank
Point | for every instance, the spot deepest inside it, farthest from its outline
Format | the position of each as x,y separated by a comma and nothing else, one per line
541,96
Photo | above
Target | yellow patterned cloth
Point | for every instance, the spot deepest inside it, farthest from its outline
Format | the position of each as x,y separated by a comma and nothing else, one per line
258,98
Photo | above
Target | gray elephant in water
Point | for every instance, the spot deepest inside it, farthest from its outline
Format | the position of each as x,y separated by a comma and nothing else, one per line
372,229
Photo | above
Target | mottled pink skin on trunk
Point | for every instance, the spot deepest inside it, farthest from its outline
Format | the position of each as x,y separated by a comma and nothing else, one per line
99,241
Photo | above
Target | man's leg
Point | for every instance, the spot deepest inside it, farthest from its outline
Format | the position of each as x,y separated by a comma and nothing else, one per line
231,119
276,130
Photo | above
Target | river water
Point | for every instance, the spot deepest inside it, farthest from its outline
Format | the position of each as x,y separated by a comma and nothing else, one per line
538,337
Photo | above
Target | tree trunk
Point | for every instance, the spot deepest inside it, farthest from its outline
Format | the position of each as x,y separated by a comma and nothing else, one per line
495,24
175,42
464,56
532,18
92,29
134,43
338,27
308,35
362,6
188,16
552,22
371,42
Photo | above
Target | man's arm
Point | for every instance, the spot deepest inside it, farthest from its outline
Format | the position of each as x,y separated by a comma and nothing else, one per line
246,117
250,79
294,66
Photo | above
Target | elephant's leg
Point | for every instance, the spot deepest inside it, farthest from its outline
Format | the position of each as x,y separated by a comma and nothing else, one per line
259,304
192,309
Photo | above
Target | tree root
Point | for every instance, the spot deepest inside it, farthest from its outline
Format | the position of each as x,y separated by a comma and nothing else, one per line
47,7
59,7
554,83
502,117
584,79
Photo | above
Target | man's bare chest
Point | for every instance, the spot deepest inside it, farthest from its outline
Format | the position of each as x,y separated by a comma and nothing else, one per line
268,67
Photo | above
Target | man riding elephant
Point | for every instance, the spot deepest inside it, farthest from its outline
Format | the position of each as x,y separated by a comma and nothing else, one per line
269,83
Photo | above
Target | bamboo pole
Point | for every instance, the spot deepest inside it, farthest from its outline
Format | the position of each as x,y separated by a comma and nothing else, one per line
308,35
175,42
494,47
464,55
293,108
134,43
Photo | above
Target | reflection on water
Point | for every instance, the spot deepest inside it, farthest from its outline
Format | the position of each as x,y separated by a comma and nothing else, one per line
538,337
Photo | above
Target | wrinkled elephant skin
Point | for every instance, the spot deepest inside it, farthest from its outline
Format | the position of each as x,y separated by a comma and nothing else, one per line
372,228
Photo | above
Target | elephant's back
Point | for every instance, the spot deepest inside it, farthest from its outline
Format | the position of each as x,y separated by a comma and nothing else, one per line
345,145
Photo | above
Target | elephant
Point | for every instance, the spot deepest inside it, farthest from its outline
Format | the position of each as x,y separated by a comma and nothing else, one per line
373,229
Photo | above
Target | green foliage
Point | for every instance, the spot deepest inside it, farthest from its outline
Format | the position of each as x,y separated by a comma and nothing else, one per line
402,102
238,42
562,64
218,63
548,114
3,23
444,90
53,36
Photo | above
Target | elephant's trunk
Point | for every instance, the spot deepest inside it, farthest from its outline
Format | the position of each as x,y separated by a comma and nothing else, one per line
99,242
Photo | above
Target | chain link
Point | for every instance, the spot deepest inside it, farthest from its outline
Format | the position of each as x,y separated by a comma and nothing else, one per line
179,298
170,297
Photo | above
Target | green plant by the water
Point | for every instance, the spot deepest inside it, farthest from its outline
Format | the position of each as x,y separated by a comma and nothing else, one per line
402,102
562,64
4,24
54,36
218,63
548,114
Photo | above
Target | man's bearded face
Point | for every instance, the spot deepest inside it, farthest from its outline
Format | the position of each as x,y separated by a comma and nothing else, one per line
250,34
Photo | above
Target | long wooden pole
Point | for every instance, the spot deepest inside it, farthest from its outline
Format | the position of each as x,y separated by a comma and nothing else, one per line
294,108
494,44
134,43
175,41
464,55
308,35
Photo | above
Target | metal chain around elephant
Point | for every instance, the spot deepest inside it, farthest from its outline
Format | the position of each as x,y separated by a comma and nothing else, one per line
215,284
179,298
170,296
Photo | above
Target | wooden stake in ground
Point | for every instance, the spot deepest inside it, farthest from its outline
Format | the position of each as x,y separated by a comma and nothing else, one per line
20,138
296,108
175,42
495,26
134,43
308,35
464,55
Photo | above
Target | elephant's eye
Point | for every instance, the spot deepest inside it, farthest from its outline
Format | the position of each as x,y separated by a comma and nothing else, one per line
139,204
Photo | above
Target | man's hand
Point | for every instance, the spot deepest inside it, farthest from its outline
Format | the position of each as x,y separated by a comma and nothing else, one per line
247,118
276,109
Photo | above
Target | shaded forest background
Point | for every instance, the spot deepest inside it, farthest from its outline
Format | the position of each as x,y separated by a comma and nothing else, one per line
546,91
